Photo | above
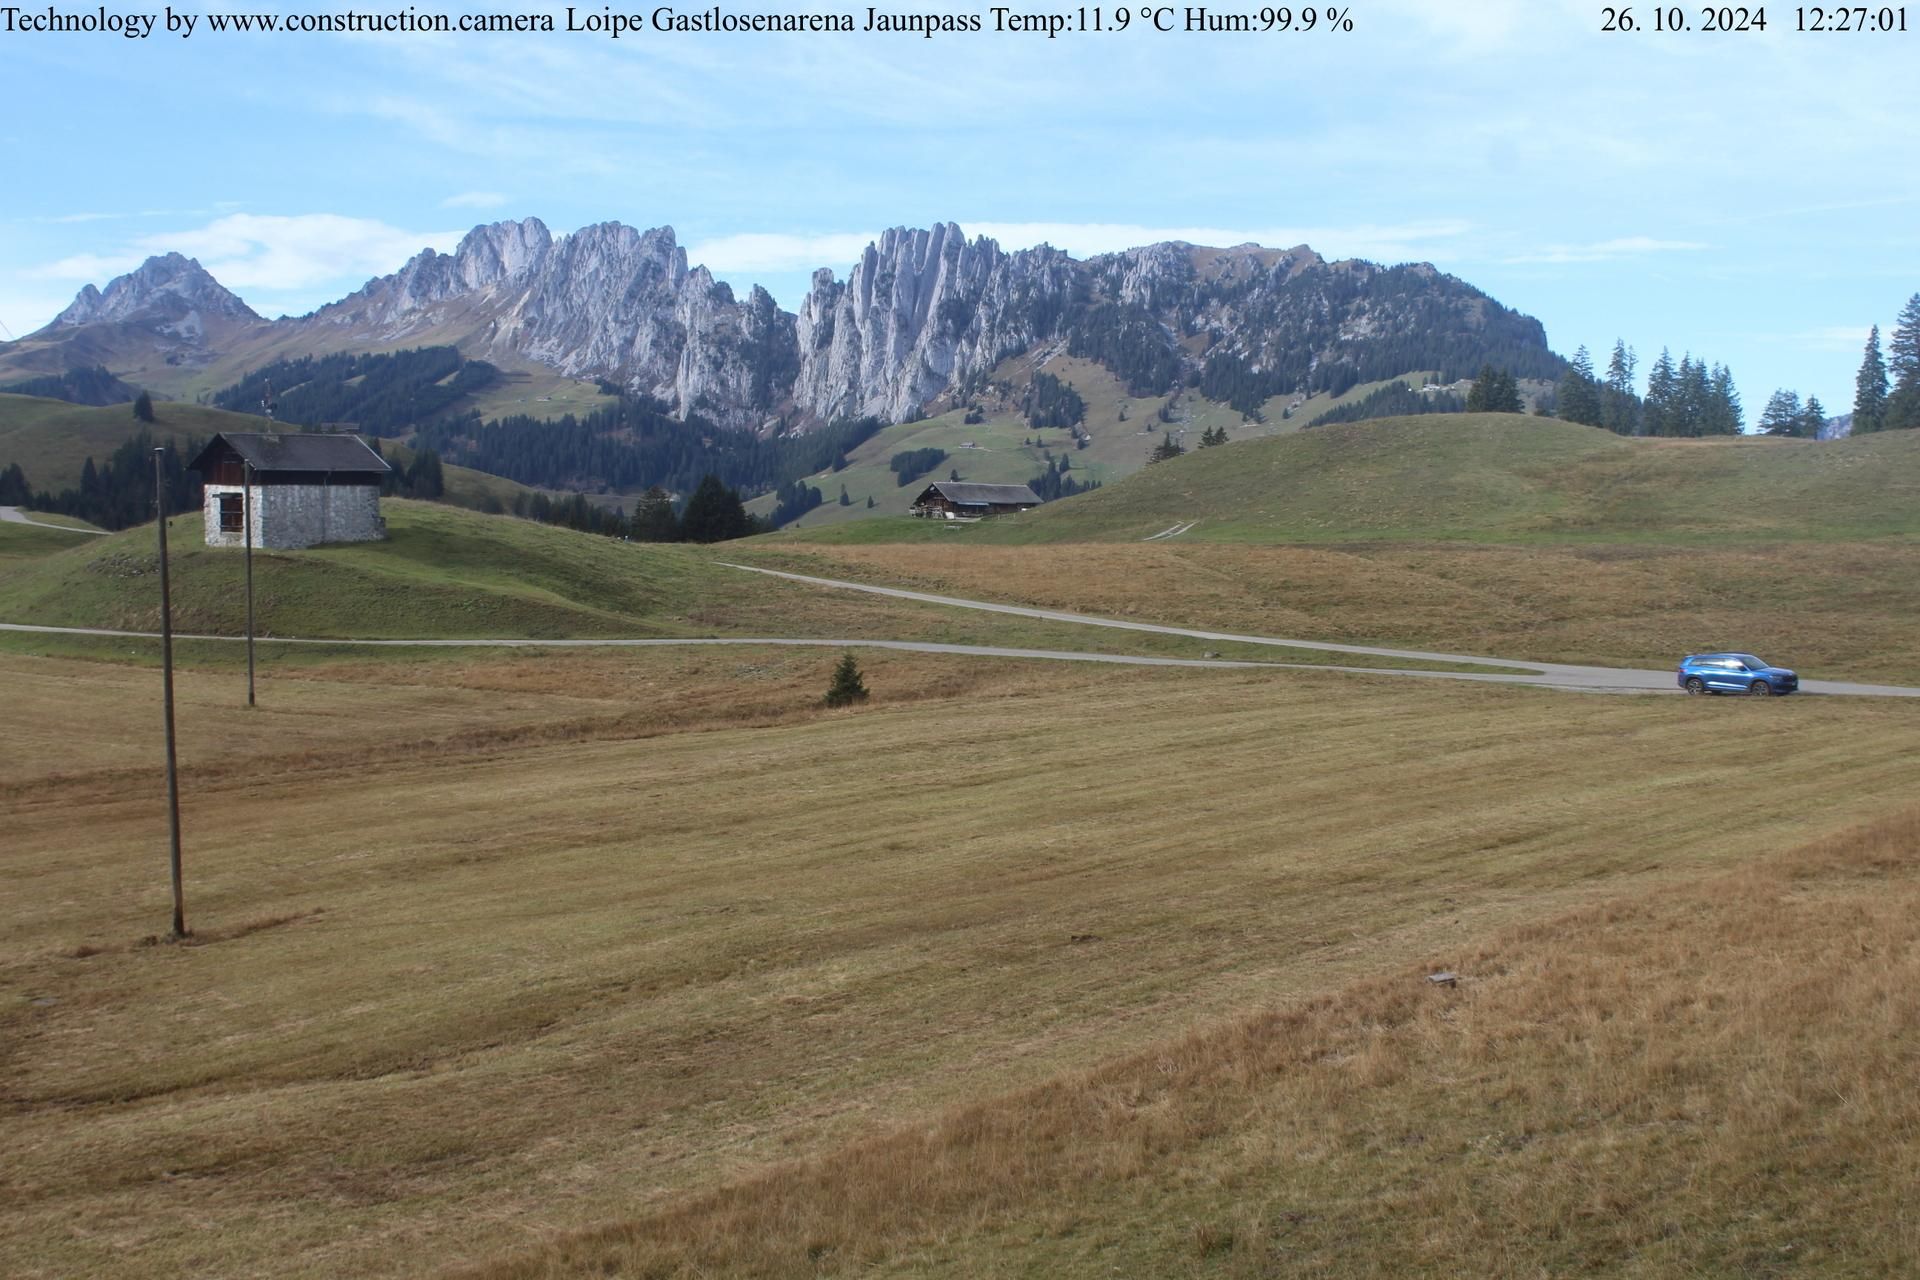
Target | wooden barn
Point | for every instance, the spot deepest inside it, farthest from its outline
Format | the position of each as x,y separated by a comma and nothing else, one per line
307,488
960,500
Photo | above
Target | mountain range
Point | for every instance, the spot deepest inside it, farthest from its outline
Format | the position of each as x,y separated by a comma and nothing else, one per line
924,318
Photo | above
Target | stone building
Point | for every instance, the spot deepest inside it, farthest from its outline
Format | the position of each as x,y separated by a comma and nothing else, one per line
307,489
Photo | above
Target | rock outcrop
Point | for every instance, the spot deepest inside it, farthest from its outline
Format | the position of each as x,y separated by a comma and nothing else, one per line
171,294
607,301
924,314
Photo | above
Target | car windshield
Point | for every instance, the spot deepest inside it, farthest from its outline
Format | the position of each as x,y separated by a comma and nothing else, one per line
1749,661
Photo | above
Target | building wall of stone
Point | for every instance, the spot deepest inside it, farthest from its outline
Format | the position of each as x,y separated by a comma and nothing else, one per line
287,517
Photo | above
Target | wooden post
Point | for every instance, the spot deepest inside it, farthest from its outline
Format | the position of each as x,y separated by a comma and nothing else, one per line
246,518
166,676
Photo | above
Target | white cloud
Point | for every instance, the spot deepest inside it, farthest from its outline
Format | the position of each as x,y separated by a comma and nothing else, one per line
290,263
75,219
88,268
21,313
1838,337
247,250
474,200
267,252
1605,250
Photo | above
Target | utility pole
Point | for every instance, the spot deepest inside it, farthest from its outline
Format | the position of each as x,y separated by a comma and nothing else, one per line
166,672
246,517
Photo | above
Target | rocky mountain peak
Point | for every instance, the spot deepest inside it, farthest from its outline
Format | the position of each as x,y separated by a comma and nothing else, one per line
922,311
170,289
500,251
924,315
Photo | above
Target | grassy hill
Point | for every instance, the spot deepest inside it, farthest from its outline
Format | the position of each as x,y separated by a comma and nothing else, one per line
52,439
1496,477
443,572
30,541
1515,536
447,573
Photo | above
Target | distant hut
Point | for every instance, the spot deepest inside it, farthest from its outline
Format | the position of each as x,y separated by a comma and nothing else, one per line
957,500
308,488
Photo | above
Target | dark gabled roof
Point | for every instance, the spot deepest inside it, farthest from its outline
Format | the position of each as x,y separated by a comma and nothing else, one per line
967,494
298,451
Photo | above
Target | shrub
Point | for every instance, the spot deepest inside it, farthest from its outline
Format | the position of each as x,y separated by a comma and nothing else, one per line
847,687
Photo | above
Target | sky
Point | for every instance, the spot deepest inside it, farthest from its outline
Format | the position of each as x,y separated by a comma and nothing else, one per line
1751,198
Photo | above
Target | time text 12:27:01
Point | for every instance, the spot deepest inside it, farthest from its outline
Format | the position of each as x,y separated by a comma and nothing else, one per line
1890,19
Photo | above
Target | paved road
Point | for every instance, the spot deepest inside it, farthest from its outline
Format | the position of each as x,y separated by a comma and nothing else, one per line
902,646
13,515
1547,675
1552,674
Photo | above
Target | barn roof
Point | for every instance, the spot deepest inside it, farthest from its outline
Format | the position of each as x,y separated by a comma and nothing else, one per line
297,451
969,494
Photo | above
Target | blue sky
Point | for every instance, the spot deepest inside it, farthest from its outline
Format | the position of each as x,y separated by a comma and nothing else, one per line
1751,198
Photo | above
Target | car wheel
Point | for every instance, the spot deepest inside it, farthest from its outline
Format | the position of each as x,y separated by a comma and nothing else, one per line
1695,685
1759,688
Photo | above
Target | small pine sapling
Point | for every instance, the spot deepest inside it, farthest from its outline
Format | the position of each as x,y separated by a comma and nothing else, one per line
847,687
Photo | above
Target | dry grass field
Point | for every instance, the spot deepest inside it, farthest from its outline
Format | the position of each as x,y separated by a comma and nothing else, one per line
643,961
1705,1080
1831,610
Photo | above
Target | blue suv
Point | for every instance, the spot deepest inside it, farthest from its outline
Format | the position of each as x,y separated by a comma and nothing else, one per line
1734,673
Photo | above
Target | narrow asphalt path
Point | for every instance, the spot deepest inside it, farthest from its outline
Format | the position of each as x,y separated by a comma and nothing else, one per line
1547,675
13,515
1552,674
901,646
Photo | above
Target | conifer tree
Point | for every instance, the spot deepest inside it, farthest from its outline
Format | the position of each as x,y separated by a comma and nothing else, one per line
1870,388
1813,419
14,489
1167,448
1620,408
848,687
1579,393
1783,415
653,518
143,408
425,478
1494,391
1694,408
1663,389
1481,390
1506,394
1903,363
1726,418
714,513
